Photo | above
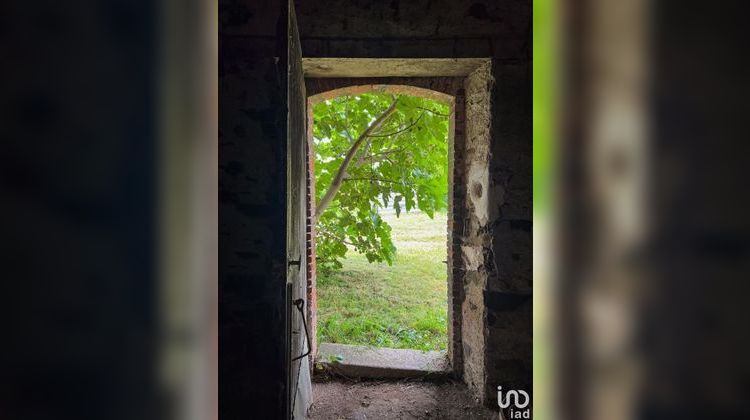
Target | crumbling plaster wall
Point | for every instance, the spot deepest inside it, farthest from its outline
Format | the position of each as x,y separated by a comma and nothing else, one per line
496,244
476,239
496,248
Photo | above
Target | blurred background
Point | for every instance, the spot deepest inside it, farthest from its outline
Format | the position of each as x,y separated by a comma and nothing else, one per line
108,175
641,234
108,183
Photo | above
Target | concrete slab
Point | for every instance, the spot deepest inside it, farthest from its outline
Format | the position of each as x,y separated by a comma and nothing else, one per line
375,362
390,67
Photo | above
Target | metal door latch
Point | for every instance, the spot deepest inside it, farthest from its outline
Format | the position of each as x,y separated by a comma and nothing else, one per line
300,304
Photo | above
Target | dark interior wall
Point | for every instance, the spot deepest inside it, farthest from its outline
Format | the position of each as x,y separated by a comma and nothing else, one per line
508,298
252,203
415,28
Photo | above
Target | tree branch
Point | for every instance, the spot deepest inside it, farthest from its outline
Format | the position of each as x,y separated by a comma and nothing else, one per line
366,150
345,125
434,112
339,177
401,130
387,152
346,117
375,180
363,156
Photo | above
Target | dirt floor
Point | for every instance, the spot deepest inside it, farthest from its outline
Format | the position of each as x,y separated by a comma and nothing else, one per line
395,400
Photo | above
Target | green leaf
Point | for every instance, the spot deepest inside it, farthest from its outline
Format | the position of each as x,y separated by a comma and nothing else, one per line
408,170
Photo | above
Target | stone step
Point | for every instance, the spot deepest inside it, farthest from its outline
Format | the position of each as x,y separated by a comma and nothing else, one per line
376,362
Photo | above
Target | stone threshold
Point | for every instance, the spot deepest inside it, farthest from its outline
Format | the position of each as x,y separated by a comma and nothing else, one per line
377,362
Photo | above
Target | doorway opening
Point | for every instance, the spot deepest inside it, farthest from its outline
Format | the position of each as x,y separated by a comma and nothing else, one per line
465,85
379,228
381,181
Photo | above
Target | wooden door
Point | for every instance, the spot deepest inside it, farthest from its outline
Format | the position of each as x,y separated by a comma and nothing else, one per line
300,389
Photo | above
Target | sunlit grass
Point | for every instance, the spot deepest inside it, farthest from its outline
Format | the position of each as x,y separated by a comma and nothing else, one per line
399,306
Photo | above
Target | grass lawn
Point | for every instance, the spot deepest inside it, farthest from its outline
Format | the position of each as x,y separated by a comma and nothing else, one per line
399,306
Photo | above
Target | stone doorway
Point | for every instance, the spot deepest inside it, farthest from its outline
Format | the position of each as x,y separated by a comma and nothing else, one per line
467,267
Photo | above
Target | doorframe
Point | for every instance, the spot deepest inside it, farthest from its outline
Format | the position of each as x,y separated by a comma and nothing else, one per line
447,89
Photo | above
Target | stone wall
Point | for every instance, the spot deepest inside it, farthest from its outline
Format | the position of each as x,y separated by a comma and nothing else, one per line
508,297
416,28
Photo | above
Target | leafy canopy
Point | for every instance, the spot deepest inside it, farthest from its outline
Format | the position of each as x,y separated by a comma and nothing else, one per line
402,164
